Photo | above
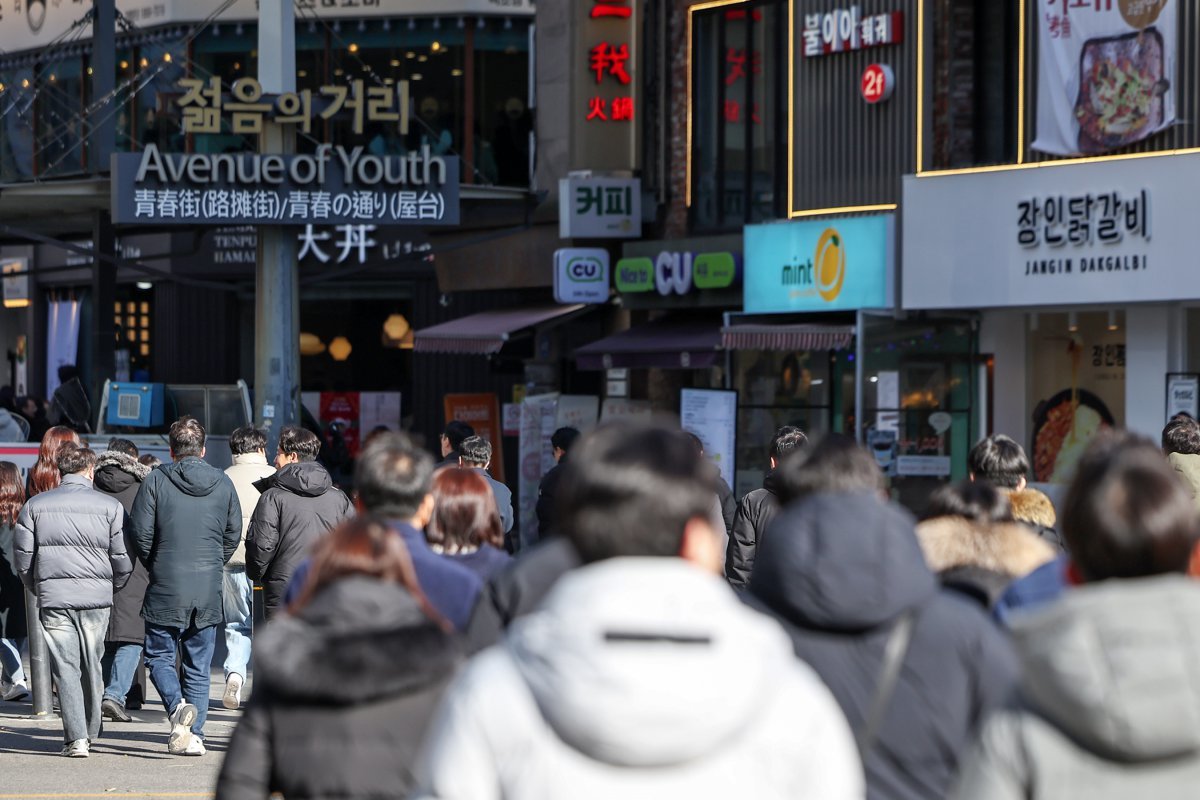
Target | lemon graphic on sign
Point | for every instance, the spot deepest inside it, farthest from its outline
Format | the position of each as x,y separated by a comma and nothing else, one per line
830,260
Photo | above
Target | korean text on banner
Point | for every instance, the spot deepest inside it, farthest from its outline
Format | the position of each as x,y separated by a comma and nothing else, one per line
578,411
1106,73
711,414
481,412
534,410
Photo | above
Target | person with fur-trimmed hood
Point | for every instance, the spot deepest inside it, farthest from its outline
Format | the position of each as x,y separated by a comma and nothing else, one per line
971,541
120,475
1002,462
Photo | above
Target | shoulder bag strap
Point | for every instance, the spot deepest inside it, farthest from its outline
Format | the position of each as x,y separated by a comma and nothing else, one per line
889,674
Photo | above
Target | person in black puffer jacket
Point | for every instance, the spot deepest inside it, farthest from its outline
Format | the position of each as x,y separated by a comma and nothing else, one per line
119,475
346,684
299,505
757,509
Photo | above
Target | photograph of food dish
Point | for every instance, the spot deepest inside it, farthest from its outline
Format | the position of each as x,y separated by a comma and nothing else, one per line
1122,86
1063,427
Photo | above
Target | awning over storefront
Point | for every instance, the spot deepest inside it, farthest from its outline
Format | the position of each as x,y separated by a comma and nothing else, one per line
485,333
667,343
787,337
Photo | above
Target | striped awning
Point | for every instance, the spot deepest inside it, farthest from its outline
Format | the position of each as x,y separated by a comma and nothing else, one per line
485,333
787,337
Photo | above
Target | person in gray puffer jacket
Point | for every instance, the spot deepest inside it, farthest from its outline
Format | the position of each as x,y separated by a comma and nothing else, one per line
70,550
1109,700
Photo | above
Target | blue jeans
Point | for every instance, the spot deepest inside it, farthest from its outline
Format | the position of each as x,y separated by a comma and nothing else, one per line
10,659
197,645
75,639
120,663
237,597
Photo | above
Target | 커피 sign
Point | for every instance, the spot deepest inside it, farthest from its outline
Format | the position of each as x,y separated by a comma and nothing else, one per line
600,208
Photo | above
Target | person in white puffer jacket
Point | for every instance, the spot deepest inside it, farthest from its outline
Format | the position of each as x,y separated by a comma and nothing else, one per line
641,675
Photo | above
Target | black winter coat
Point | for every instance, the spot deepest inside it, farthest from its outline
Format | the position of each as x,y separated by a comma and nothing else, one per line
12,591
121,476
545,508
343,694
838,570
299,505
754,513
186,524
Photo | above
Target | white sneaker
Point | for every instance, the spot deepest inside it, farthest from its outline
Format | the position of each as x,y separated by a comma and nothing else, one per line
233,691
181,728
15,691
195,747
76,749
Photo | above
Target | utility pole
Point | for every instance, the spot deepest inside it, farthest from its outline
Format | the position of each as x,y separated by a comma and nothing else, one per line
101,143
277,295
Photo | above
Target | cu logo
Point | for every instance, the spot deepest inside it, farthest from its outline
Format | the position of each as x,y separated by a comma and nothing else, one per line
584,270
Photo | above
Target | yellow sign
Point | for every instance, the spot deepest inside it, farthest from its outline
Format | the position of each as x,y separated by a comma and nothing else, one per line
830,259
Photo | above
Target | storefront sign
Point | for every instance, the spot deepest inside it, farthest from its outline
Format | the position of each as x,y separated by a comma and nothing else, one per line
203,104
711,414
846,29
581,275
16,282
600,208
673,272
819,265
335,185
878,83
1183,395
1106,73
27,24
604,104
481,412
1111,232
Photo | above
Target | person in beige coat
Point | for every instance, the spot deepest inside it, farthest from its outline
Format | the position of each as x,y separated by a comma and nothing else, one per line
249,448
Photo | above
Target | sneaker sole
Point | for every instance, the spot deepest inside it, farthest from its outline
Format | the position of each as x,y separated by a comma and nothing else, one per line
232,699
181,729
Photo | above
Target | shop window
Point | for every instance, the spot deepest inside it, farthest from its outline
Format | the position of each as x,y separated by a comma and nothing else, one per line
739,62
58,112
228,52
503,121
975,83
17,93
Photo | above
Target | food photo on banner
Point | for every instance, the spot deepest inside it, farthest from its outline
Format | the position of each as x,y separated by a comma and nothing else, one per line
1106,73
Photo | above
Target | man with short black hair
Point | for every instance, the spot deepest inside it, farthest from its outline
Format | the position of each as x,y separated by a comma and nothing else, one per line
640,668
758,508
476,453
186,524
299,505
69,548
1002,462
248,445
561,442
452,438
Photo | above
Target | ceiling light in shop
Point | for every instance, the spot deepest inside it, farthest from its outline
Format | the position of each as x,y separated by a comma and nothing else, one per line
422,58
237,65
145,62
410,54
301,73
89,70
417,76
167,57
457,73
353,48
1113,325
339,72
395,328
25,83
144,285
124,65
1072,322
52,77
435,46
395,62
311,345
340,348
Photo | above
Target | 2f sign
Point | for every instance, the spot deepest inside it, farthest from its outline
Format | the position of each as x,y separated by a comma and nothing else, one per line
581,275
878,83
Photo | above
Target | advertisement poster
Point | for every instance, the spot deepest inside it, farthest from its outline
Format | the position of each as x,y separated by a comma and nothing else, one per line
533,443
711,414
341,409
1106,73
1183,395
481,412
378,410
578,411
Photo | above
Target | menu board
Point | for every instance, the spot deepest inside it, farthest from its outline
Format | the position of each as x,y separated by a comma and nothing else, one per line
711,414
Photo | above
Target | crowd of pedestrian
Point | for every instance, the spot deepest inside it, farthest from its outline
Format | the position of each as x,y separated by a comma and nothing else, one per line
652,638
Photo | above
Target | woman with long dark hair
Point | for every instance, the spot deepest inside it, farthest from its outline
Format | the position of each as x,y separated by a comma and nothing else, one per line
13,630
466,524
346,683
45,475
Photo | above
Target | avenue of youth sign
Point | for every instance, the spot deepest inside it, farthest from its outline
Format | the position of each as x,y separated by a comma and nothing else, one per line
335,185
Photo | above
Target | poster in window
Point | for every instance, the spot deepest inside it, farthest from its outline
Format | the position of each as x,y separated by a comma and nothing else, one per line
1106,73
